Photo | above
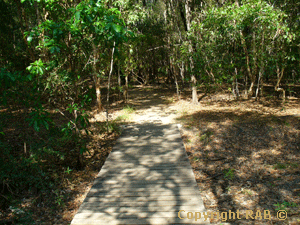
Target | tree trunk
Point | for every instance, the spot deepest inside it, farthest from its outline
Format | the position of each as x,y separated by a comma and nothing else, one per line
110,72
194,90
182,72
177,87
188,14
235,87
22,16
261,70
119,82
279,77
108,85
80,163
126,89
250,91
258,82
193,77
250,74
98,93
97,82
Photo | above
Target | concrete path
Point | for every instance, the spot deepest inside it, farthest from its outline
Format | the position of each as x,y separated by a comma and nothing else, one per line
146,179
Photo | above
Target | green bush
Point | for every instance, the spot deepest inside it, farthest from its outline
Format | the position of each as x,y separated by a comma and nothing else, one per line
19,174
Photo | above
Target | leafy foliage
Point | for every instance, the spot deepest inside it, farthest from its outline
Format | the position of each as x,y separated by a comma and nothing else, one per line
56,56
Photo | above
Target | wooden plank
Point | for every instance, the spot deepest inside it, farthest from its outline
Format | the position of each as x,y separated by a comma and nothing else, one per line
141,194
150,164
132,215
133,193
148,189
142,187
137,210
101,204
144,172
136,180
164,217
175,176
138,199
154,157
180,170
138,183
153,221
159,165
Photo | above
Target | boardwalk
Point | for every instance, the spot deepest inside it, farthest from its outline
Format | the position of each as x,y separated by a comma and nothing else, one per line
146,179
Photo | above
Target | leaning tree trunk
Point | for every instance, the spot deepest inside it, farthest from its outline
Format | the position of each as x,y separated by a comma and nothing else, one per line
108,84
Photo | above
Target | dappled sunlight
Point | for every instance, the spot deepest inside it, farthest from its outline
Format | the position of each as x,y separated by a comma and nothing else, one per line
244,157
146,177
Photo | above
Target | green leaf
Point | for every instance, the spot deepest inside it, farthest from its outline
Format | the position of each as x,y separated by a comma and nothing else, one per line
54,49
36,126
29,68
117,28
46,125
77,15
29,39
41,72
29,77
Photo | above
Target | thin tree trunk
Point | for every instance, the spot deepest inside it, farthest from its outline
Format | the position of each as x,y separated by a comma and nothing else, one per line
182,72
194,90
126,89
119,81
177,88
250,74
246,84
235,87
80,154
250,91
188,14
279,77
255,66
98,93
258,82
97,81
108,85
22,17
261,70
193,77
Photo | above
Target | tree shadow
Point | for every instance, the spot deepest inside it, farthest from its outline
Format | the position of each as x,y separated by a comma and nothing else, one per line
247,160
146,179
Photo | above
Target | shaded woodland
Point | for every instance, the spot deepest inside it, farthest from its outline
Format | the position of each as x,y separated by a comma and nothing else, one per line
62,61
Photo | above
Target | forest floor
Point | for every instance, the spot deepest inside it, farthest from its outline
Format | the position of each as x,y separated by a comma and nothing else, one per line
244,154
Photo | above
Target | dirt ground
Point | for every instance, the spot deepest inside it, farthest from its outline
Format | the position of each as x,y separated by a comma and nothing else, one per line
245,154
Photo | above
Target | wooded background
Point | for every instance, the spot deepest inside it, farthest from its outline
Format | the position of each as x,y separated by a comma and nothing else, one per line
64,57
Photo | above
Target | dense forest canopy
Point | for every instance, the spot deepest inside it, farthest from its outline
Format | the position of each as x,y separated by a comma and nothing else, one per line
63,57
60,45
